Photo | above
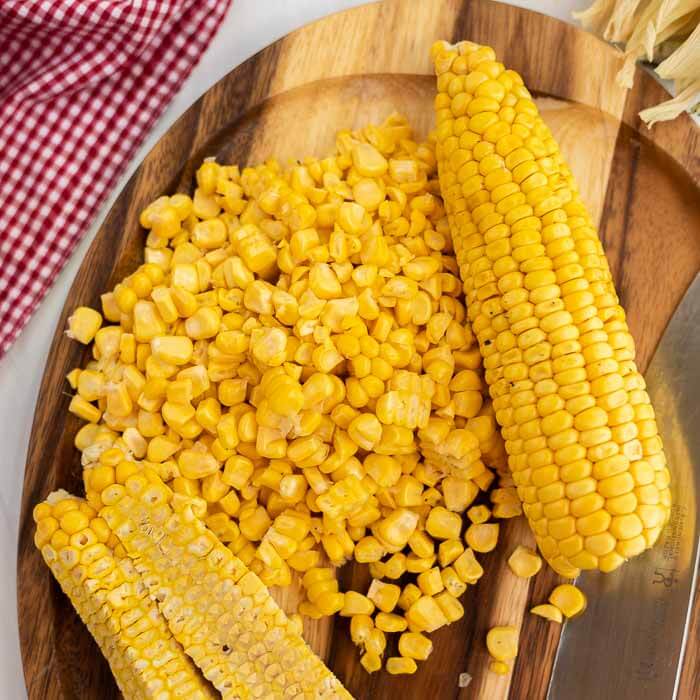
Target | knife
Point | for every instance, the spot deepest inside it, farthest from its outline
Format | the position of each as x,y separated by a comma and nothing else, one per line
630,642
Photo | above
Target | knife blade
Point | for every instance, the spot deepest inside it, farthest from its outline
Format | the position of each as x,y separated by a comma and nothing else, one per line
630,642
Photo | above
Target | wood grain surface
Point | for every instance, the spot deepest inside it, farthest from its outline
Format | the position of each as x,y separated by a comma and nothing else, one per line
288,100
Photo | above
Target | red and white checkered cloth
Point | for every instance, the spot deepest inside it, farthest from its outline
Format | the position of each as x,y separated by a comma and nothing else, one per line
81,83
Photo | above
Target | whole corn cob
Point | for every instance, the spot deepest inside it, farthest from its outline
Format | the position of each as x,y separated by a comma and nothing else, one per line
580,432
113,602
219,610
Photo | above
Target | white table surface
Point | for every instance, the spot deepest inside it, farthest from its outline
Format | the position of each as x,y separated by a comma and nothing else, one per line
249,26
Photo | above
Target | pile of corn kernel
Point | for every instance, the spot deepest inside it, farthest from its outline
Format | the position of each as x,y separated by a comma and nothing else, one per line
294,351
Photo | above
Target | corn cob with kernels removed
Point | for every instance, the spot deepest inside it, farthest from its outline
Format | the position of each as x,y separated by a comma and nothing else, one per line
111,599
580,433
217,608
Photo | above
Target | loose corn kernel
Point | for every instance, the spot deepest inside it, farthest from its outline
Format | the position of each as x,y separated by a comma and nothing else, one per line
549,612
452,583
409,595
467,567
389,622
397,528
569,599
395,566
384,595
371,662
356,604
398,665
417,565
499,667
502,643
414,645
479,514
430,582
482,537
365,430
85,410
524,562
443,524
360,628
425,615
450,606
448,551
376,641
83,324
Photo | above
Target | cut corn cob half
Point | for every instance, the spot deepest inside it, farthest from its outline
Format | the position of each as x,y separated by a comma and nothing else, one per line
580,433
218,609
113,602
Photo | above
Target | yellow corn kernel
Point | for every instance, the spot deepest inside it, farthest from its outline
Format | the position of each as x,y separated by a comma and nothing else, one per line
499,667
360,628
204,323
458,493
365,430
395,566
502,643
175,349
390,622
430,582
448,551
421,544
330,603
417,565
479,514
398,665
524,562
414,645
376,641
196,464
303,561
147,321
110,309
452,583
85,410
467,567
385,470
369,549
232,392
213,488
450,606
255,524
482,537
74,521
371,662
368,161
548,612
83,324
443,524
91,384
569,599
409,595
161,448
408,491
384,595
73,376
356,604
396,528
425,615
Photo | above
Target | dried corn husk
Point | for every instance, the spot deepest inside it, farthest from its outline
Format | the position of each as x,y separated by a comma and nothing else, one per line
654,30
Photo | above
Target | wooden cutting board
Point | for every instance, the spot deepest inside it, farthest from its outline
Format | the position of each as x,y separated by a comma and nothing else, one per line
288,100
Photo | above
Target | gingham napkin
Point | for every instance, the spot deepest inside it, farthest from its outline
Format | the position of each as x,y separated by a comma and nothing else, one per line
81,83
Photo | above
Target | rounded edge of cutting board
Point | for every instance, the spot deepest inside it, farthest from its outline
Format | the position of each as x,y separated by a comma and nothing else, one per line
381,38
